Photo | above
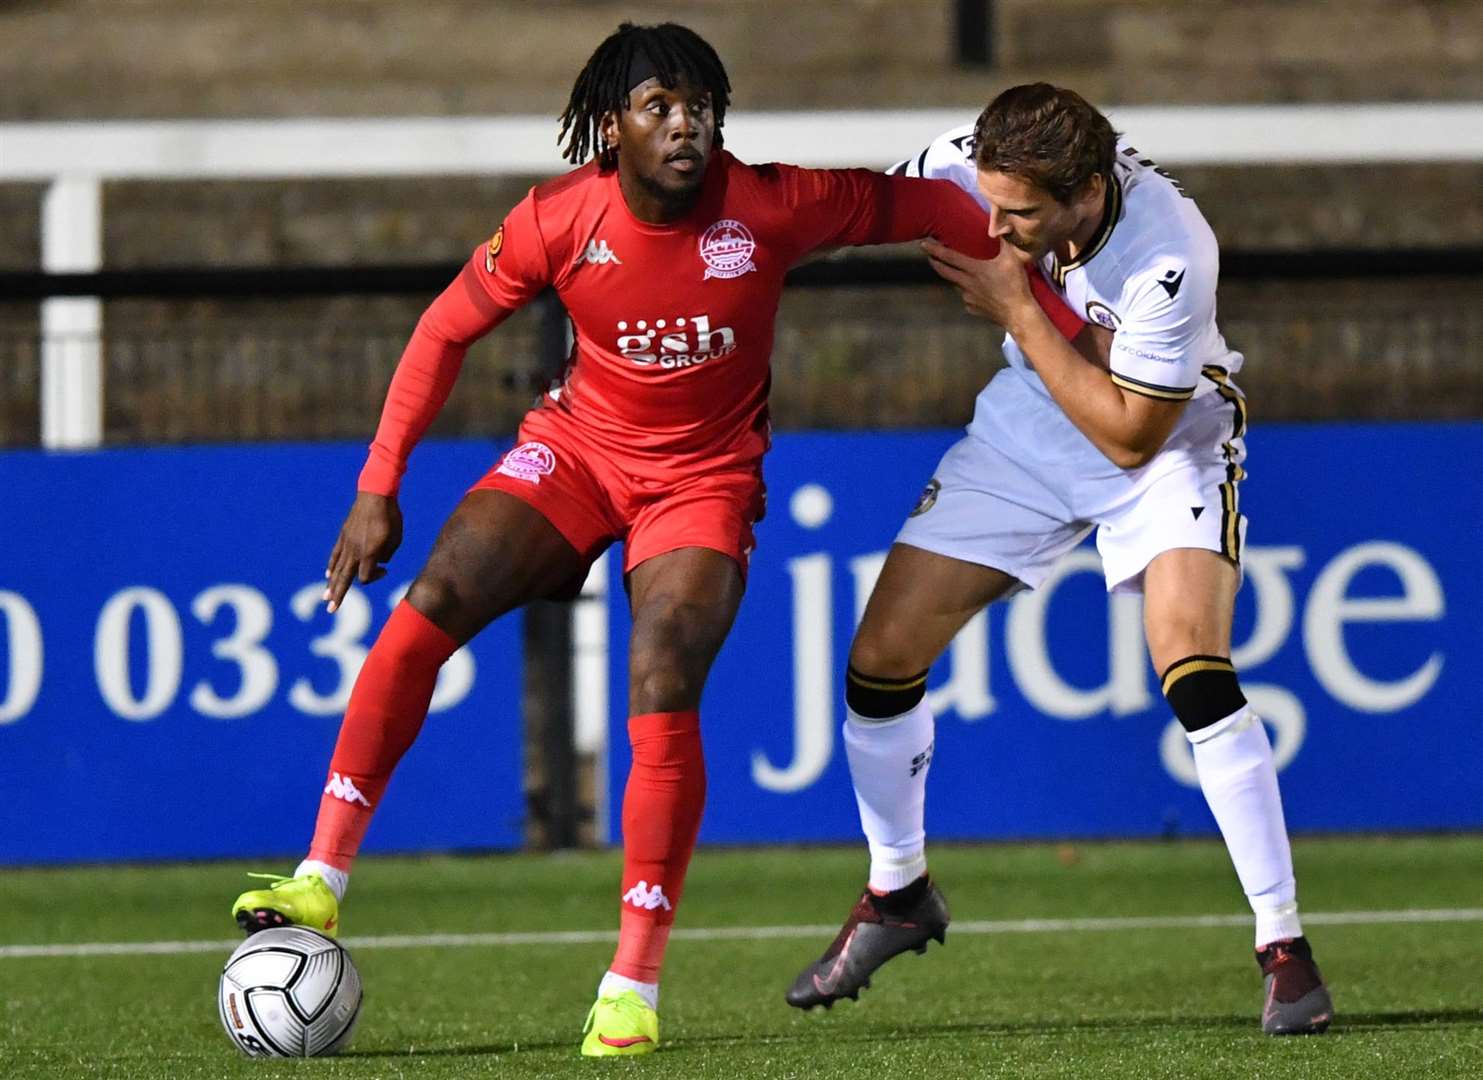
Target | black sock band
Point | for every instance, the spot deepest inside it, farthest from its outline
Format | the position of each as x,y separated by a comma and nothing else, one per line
900,901
878,698
1202,690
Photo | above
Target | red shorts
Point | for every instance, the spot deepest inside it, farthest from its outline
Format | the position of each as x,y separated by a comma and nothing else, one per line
593,499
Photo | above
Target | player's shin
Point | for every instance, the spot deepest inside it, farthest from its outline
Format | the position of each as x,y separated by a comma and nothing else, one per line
387,708
1233,759
888,736
662,806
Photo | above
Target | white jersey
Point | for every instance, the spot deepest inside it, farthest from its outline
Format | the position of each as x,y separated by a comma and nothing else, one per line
1149,275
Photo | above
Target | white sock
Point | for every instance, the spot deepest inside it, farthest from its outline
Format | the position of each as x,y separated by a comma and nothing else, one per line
1234,761
888,765
337,880
613,983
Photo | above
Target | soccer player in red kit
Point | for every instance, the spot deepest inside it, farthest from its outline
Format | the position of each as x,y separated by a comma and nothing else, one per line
669,255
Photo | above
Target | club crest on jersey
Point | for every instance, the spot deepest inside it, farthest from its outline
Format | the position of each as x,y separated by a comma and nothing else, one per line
727,248
1102,315
492,250
529,462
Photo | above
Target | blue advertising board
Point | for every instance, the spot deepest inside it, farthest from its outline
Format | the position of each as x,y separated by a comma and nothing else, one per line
170,683
1357,635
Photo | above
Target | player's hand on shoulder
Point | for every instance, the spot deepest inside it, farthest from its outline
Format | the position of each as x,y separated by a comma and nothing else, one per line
370,536
996,289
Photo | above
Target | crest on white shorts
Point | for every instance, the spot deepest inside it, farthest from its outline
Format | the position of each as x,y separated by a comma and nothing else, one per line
929,497
727,248
529,461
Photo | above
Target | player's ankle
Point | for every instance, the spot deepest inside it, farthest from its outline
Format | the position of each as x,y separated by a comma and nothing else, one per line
613,983
337,879
902,900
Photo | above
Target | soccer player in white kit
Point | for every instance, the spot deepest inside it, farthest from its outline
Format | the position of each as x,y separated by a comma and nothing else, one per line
1142,443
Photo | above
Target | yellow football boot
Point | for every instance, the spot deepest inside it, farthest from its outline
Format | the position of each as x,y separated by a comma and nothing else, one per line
620,1024
300,901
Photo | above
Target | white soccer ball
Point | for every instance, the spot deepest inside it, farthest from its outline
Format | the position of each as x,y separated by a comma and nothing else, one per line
289,992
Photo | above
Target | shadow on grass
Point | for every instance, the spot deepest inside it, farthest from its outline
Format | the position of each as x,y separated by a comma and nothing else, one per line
1382,1021
1347,1022
485,1050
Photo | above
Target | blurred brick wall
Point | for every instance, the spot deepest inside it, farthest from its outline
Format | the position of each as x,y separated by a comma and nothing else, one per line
169,58
194,371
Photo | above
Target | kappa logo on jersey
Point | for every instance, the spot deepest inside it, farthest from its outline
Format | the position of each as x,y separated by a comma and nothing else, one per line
727,248
599,254
495,246
683,343
928,499
342,787
1102,315
529,462
1171,281
647,899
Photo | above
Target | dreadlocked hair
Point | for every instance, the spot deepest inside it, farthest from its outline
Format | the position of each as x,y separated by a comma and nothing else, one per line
679,55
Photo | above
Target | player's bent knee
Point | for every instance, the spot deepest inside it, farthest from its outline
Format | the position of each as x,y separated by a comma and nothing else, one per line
1202,691
884,653
878,697
434,596
664,686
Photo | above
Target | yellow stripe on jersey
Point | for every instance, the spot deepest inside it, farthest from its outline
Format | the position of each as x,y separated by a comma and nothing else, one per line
1230,520
1192,665
1221,378
1163,393
1112,210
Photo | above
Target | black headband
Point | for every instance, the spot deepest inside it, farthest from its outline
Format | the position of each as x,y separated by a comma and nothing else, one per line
640,69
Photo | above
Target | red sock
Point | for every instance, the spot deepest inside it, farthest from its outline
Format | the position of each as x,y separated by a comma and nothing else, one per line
662,805
386,711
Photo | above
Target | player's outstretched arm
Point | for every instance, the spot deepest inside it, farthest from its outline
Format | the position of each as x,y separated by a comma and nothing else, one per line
942,210
1128,428
848,207
369,538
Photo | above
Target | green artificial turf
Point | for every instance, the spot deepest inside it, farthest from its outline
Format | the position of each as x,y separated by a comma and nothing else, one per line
1101,1002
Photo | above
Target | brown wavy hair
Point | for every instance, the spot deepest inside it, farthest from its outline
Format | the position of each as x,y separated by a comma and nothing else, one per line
1046,135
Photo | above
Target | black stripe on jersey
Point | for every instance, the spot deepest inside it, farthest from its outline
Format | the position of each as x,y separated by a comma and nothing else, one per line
1112,212
1153,390
1230,515
1221,378
1230,507
922,161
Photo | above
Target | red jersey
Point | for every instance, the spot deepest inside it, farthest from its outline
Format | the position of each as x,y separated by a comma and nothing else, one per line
673,323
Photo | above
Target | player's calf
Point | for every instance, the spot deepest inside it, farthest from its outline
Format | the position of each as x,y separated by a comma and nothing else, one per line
1233,759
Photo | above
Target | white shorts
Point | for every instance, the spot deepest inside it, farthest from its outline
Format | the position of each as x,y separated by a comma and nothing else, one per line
1023,488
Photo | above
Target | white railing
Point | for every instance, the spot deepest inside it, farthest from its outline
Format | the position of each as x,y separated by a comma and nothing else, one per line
74,159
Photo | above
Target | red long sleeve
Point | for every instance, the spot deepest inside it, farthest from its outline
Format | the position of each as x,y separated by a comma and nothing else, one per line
941,209
424,376
842,207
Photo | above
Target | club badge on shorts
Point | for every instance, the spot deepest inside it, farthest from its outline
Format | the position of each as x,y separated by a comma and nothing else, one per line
928,499
727,248
529,462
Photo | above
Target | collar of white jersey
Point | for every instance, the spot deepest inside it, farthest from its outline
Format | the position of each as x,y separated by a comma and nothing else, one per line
1112,211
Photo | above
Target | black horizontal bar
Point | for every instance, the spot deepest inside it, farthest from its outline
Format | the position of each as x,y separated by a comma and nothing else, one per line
860,271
